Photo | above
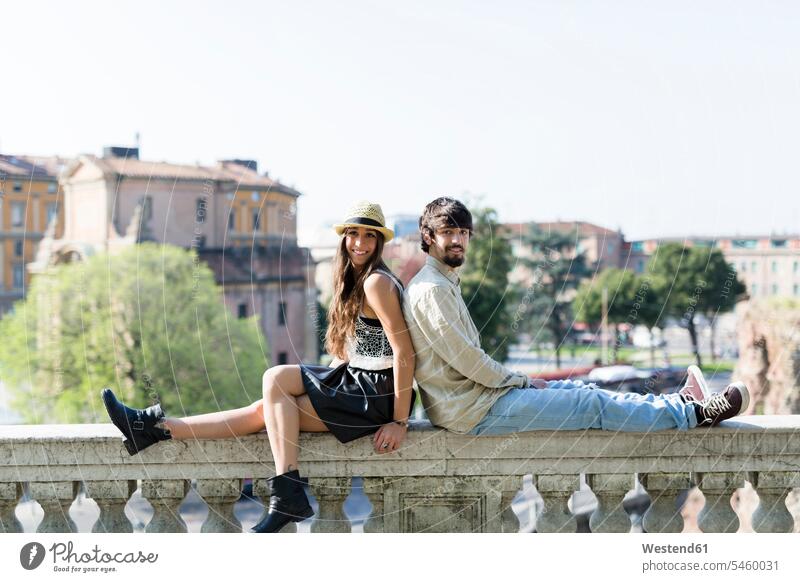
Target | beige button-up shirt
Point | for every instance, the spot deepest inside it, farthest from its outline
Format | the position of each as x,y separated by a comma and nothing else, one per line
457,380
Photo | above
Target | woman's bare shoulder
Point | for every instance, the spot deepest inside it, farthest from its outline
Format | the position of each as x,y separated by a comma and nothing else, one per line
378,281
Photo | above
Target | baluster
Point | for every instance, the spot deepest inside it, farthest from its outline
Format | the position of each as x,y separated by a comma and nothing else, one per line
718,515
556,491
10,494
610,515
220,495
111,497
374,489
55,497
793,504
773,487
331,493
509,522
499,493
666,501
166,497
744,502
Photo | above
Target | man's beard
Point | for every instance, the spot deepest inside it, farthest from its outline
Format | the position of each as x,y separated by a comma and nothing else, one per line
453,261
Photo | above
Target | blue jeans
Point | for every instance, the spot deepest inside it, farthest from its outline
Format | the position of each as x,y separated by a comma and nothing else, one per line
574,405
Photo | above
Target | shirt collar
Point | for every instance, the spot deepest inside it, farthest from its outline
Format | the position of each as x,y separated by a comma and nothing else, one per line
443,269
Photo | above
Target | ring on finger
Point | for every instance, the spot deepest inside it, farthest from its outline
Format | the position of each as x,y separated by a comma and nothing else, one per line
385,445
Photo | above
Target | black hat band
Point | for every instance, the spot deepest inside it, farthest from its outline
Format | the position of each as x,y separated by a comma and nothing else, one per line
364,221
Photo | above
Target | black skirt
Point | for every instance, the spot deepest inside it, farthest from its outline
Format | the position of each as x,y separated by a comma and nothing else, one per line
350,401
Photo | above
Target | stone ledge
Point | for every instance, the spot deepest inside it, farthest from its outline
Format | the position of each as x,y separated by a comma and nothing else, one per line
95,452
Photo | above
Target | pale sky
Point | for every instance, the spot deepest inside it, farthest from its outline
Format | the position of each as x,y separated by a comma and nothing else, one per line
661,118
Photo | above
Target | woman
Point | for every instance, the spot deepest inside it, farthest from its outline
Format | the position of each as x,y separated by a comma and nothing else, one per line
367,390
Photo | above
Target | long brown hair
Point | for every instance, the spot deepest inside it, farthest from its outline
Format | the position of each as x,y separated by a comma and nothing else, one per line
348,295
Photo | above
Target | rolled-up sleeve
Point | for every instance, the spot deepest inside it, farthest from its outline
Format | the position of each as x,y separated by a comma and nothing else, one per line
436,314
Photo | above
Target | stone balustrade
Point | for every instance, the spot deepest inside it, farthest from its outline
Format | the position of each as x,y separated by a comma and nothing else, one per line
437,482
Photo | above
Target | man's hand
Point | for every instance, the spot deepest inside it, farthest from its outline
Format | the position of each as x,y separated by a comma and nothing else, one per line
389,437
538,383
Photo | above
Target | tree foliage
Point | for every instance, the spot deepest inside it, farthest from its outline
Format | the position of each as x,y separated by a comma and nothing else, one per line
692,281
631,299
149,321
484,284
557,267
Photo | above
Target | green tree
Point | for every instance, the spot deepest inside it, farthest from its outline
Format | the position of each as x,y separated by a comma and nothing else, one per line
557,268
692,281
149,321
631,299
484,283
620,287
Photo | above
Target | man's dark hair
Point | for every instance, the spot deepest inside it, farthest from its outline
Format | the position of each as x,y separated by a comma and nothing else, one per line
442,213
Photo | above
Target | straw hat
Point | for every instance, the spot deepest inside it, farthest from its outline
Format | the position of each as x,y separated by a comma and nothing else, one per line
367,215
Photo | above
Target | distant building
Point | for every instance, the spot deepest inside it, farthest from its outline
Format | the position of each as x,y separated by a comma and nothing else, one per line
404,256
242,224
323,243
403,225
768,265
601,247
30,199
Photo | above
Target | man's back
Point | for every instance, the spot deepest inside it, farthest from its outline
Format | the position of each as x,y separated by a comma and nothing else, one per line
458,381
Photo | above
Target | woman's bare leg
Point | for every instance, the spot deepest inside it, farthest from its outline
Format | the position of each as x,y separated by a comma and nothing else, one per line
218,425
287,411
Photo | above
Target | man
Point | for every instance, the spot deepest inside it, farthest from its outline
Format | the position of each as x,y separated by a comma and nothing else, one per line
466,391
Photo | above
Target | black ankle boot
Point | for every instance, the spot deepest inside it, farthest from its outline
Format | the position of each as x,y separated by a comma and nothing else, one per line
287,502
138,426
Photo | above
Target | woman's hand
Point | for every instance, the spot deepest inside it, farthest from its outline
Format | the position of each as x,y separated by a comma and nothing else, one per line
389,437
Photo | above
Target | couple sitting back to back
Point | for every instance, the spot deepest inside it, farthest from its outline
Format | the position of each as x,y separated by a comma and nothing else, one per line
383,337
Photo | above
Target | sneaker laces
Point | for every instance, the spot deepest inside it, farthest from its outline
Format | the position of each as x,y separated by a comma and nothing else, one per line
717,404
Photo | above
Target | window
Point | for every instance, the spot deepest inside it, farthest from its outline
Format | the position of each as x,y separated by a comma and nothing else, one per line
256,196
147,207
282,313
232,220
17,214
52,187
774,266
796,290
637,246
744,243
753,289
753,267
242,310
17,186
18,248
640,266
19,275
256,218
796,267
744,267
283,358
52,212
200,210
779,244
774,289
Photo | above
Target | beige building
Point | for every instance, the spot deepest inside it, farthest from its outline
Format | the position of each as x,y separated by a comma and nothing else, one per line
243,225
30,200
769,266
